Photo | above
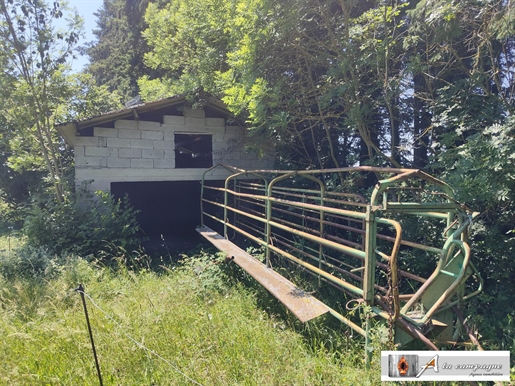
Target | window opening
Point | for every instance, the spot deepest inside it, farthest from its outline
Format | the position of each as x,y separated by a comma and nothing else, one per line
193,151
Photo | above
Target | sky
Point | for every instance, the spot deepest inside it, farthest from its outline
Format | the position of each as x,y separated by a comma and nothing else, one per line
85,8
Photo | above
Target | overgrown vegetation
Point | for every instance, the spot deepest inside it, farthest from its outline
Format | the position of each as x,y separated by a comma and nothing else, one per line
203,327
85,225
483,172
417,84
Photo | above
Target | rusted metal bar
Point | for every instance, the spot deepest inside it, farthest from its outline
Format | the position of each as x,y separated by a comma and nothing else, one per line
370,259
344,241
463,322
446,250
311,228
341,248
311,267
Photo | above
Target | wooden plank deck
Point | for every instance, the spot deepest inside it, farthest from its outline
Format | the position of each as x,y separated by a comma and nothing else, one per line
304,306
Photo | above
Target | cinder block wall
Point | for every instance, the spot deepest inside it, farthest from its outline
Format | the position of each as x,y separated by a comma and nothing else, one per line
144,151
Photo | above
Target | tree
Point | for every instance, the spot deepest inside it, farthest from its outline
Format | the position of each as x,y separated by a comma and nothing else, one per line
461,57
482,171
116,58
426,84
189,41
287,68
34,54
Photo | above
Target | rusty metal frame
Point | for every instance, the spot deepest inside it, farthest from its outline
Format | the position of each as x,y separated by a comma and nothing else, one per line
379,211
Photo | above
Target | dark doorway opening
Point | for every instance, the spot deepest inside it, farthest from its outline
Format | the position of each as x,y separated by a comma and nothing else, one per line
169,212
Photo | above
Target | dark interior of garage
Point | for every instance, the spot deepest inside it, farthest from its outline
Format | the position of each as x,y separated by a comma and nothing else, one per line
169,212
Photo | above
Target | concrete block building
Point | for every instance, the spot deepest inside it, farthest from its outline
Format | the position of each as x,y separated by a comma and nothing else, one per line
156,153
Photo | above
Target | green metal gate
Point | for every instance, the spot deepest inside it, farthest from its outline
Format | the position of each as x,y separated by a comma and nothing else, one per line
360,245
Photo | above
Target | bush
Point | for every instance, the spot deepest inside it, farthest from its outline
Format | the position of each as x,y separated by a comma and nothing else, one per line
83,226
482,171
209,270
27,262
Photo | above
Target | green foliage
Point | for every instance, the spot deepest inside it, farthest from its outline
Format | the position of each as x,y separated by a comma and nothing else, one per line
34,56
189,40
482,171
84,226
221,339
483,168
209,271
86,99
28,262
37,93
338,83
116,57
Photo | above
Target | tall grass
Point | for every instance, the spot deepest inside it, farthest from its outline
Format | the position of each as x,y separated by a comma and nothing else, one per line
199,322
205,329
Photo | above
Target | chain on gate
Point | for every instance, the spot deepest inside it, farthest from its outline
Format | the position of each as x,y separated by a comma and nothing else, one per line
391,310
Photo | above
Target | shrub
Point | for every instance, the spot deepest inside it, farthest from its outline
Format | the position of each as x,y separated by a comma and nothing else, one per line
482,171
209,270
28,261
83,226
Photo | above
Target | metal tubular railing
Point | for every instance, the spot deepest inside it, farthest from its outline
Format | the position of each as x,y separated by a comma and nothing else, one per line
341,239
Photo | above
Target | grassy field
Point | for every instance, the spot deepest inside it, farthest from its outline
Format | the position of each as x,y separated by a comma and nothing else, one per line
186,325
194,323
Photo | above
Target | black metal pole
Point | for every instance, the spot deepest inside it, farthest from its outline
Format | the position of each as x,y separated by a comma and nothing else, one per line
80,288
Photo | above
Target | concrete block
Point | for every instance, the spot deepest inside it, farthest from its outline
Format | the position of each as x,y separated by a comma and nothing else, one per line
164,163
215,122
118,162
164,145
89,162
196,123
137,174
142,163
218,147
155,135
152,153
240,164
101,151
86,141
233,155
105,132
129,133
129,153
142,144
147,125
102,141
235,129
194,113
169,136
126,124
172,128
95,185
231,137
194,130
169,154
218,138
119,142
173,120
78,150
217,158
